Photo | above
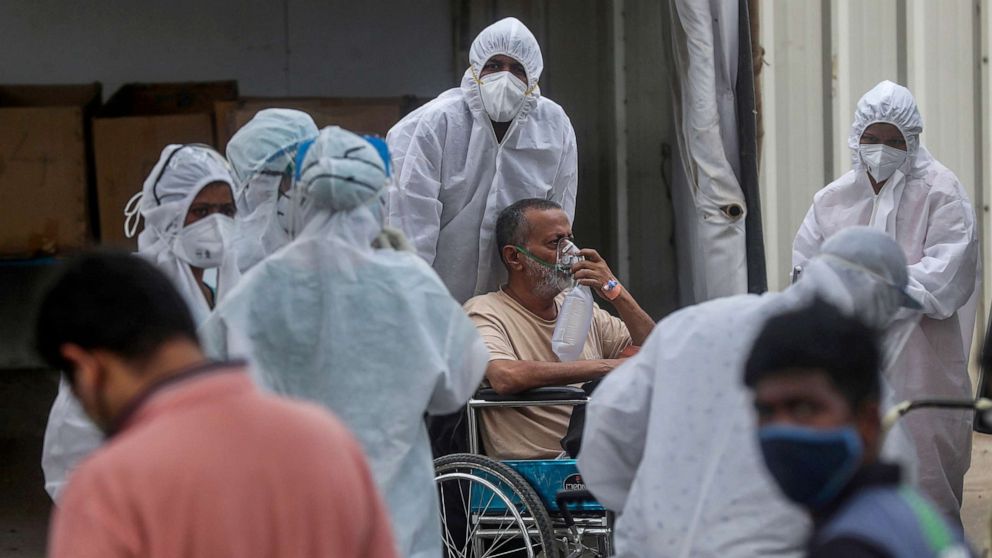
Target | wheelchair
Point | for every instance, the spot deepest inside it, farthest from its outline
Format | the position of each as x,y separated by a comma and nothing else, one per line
526,508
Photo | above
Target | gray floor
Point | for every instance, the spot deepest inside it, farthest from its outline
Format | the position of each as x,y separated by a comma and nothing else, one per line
25,397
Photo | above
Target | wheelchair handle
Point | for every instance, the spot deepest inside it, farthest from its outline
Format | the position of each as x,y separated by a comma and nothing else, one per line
981,404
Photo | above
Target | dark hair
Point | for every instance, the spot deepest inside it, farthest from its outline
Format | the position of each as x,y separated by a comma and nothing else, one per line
112,301
511,226
819,337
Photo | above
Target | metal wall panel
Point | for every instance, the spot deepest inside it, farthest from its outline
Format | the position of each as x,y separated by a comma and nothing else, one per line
941,49
864,51
792,166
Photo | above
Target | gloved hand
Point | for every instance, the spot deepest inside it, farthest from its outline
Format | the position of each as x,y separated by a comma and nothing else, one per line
392,239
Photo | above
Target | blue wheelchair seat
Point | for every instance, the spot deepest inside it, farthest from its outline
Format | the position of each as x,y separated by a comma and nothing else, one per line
547,477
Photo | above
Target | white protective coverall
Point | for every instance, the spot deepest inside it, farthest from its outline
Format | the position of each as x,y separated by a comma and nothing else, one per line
670,438
262,153
454,178
925,208
371,334
163,202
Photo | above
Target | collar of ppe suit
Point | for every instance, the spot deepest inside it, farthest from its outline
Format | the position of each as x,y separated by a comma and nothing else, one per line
888,103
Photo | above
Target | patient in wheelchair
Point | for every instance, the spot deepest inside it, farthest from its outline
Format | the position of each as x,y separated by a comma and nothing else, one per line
517,321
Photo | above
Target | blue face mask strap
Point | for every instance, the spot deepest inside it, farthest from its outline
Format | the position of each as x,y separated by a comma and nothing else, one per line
301,153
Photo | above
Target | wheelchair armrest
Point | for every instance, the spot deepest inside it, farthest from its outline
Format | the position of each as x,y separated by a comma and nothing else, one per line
563,393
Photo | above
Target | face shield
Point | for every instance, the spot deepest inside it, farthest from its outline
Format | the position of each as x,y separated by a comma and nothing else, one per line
264,206
855,289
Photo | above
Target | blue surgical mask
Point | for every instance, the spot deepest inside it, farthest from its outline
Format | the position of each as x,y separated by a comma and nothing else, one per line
811,465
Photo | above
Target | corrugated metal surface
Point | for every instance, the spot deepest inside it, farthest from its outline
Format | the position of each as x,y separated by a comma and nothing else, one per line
792,166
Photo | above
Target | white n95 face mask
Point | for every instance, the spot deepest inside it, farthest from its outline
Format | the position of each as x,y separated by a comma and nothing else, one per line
881,160
201,244
502,95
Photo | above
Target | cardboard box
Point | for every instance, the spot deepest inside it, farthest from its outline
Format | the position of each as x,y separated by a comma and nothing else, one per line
45,169
130,133
360,115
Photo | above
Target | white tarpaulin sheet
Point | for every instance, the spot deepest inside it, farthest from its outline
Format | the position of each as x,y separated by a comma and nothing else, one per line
710,207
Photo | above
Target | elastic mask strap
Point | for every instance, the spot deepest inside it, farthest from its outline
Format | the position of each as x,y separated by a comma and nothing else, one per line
131,215
528,253
478,81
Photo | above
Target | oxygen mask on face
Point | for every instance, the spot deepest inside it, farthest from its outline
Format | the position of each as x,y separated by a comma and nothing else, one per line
567,255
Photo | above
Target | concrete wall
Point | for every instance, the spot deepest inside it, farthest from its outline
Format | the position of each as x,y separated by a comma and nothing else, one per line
273,48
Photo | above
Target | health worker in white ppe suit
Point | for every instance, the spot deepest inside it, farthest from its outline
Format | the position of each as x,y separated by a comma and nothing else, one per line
897,186
262,154
669,440
188,209
372,334
475,150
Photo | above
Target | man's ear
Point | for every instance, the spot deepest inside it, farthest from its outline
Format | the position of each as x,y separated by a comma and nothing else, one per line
83,364
869,425
511,257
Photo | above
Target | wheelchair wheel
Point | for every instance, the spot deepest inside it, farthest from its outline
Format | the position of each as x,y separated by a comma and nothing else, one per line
489,510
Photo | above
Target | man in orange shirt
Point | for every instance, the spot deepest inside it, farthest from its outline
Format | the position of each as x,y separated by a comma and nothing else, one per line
198,462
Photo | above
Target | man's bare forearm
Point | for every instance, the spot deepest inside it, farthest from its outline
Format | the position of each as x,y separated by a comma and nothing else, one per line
514,376
638,323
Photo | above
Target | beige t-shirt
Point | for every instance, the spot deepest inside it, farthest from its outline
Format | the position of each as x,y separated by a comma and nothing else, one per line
511,332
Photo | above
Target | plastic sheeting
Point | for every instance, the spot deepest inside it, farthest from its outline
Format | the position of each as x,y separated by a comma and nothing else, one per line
710,205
